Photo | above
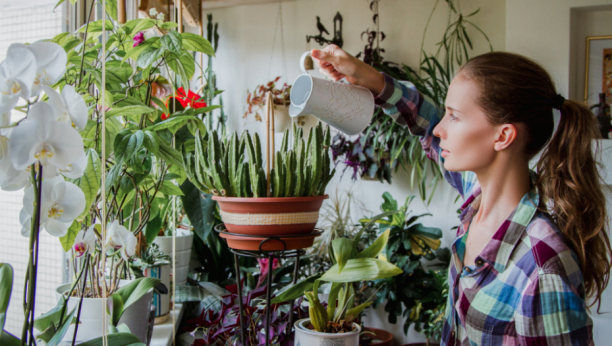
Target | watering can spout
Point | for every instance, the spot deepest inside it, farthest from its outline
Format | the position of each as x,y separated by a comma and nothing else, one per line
348,108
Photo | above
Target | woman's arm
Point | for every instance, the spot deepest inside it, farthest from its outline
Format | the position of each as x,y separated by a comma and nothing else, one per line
398,99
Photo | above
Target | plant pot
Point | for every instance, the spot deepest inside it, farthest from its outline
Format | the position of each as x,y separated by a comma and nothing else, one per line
383,335
91,324
184,240
255,243
270,216
307,337
282,120
422,344
160,301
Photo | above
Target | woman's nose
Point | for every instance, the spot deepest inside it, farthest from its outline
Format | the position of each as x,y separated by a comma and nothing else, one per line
439,130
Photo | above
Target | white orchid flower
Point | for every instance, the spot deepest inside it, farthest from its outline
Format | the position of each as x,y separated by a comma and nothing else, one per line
12,179
5,120
68,107
41,139
119,238
74,170
51,61
85,242
17,74
61,202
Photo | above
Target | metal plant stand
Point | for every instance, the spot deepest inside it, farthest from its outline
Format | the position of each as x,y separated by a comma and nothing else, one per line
270,255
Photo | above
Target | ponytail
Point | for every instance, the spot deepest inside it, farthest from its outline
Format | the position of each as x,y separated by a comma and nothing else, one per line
569,182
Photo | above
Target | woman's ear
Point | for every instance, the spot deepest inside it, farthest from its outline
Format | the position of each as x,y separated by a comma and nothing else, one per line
506,135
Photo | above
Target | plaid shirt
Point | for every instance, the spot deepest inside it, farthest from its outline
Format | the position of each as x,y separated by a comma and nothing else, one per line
526,286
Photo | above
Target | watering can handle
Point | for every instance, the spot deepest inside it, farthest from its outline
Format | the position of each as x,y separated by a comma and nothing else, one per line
306,58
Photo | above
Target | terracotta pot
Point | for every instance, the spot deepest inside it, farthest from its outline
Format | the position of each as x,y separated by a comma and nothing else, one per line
381,334
253,243
270,216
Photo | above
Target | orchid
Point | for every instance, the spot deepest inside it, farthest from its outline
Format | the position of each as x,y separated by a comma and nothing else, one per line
42,139
68,107
61,202
17,74
119,238
51,61
74,170
85,242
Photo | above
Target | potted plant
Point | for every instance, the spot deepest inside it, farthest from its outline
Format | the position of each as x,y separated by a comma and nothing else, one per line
336,322
297,181
153,263
419,294
280,98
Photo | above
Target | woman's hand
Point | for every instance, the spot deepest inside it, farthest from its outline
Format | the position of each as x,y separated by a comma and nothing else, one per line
336,64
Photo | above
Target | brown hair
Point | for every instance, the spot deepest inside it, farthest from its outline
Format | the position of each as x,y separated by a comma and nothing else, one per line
515,89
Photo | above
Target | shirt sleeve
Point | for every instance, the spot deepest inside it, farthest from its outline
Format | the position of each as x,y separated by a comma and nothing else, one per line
407,106
551,312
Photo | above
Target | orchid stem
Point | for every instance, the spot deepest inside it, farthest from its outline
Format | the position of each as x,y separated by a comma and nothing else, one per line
76,326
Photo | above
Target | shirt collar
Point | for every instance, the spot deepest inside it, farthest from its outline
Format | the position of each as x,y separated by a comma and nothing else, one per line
497,252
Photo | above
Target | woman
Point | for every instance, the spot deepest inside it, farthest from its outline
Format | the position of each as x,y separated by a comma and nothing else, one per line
531,247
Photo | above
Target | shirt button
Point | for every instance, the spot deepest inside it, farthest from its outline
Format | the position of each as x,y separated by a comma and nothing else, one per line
479,262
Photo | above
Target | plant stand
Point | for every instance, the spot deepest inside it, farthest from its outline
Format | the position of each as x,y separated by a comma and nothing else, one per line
270,255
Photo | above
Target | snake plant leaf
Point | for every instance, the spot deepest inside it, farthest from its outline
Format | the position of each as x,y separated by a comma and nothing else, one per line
361,269
373,250
344,250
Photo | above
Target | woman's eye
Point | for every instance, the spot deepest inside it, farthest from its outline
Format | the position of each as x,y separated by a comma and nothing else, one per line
452,117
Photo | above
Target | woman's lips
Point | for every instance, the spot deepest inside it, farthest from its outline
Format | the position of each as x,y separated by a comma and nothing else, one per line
444,153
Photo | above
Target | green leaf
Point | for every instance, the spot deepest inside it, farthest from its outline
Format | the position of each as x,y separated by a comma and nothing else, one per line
343,251
127,144
197,43
168,25
96,26
68,240
117,308
151,141
173,121
148,56
172,41
133,112
152,229
111,9
361,269
135,52
50,318
389,203
119,339
170,155
59,334
353,313
373,250
6,287
144,24
7,339
199,208
296,290
89,183
429,232
168,188
133,291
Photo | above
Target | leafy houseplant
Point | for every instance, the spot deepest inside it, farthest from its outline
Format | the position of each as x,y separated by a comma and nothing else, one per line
351,266
419,293
56,152
257,98
299,176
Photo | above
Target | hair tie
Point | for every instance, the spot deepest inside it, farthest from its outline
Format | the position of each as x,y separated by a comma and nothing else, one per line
557,102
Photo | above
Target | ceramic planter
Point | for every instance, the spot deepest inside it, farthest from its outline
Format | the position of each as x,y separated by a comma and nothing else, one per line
270,216
307,337
184,240
385,337
160,301
91,323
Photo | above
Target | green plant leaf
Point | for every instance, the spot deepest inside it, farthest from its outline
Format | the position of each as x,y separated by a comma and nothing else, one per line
296,290
353,313
168,188
373,250
151,141
199,208
152,229
197,43
134,112
144,24
111,9
172,41
344,250
89,183
96,26
6,288
429,232
8,339
170,155
127,144
68,240
148,56
361,269
118,309
173,121
135,52
56,340
119,339
133,291
168,25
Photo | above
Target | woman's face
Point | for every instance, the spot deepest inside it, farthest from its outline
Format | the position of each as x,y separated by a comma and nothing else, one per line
466,136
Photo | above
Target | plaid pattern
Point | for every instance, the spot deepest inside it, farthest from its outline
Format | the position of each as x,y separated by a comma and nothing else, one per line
526,287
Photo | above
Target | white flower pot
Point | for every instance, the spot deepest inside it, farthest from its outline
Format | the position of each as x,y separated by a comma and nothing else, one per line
161,301
184,240
91,326
307,337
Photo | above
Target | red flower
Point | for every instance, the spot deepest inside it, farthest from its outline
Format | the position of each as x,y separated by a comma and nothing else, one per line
191,99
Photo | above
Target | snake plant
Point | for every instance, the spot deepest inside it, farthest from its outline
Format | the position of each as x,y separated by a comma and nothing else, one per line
233,167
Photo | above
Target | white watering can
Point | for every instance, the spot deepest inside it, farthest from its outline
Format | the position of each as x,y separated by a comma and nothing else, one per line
347,107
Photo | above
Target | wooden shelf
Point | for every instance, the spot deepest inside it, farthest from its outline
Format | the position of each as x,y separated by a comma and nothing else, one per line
211,4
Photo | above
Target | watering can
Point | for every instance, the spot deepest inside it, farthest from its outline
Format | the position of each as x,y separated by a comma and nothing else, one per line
347,107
